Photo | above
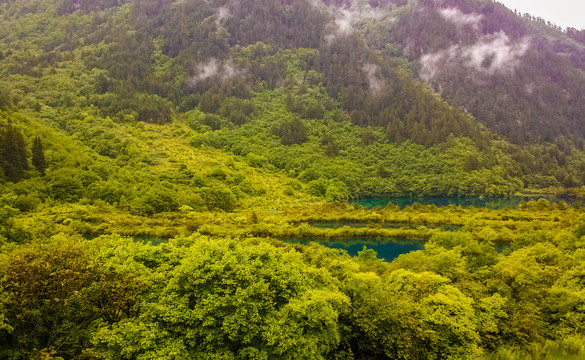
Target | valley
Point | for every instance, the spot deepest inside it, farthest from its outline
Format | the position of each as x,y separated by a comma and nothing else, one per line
276,179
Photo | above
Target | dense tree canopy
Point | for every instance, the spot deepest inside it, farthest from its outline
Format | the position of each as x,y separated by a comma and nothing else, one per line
235,123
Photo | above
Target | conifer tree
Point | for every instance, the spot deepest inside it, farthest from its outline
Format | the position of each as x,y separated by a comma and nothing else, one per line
14,154
5,102
2,176
38,156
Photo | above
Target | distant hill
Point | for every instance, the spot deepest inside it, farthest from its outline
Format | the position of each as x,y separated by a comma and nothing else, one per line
501,94
520,76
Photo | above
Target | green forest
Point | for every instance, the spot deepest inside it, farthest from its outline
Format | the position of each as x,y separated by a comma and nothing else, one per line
221,128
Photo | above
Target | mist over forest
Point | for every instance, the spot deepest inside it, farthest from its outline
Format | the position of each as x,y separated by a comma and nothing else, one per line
173,172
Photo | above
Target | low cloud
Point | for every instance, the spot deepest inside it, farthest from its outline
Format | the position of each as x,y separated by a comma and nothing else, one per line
223,13
496,53
346,18
229,70
207,70
214,69
345,22
492,54
342,25
374,76
457,17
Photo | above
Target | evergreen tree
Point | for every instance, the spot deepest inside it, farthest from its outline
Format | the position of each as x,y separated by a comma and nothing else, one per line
2,176
38,156
14,154
5,102
368,136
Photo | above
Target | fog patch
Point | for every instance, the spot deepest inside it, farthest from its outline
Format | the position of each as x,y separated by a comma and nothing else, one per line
374,76
223,13
459,18
345,22
345,19
496,53
212,68
342,25
207,70
229,70
492,54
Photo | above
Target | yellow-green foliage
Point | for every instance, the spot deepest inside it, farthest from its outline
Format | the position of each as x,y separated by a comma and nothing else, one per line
196,296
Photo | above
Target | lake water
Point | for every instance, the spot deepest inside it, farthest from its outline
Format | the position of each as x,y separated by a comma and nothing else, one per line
338,224
490,203
387,249
150,240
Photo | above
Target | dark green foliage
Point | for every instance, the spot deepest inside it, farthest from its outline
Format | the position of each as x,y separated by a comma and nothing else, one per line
351,69
38,156
291,131
13,149
5,102
368,136
153,108
212,120
522,99
70,6
237,111
280,23
218,198
314,111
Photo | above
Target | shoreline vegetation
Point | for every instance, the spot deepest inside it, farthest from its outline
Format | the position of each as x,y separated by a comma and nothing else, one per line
458,296
420,221
224,126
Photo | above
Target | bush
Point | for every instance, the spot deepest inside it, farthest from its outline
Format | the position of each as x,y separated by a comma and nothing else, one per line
218,198
291,132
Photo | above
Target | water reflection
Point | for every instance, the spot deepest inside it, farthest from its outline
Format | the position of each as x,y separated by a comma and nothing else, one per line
387,249
358,225
490,203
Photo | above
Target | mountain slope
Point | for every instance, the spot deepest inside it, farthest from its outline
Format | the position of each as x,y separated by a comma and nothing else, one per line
326,89
233,124
521,77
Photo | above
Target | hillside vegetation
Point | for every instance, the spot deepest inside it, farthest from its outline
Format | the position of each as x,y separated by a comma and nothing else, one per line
220,126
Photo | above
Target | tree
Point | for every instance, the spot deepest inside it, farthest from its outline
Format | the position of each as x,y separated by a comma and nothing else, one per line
13,154
368,136
5,101
232,299
218,198
291,131
38,156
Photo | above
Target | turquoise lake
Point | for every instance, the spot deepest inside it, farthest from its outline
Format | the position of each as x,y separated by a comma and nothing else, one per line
338,224
490,203
150,240
387,249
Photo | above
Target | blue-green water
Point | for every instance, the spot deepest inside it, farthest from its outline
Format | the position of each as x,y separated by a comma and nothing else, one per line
490,203
387,249
150,240
338,224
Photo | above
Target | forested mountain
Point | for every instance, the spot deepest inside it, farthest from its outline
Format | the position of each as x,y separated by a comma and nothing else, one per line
229,124
332,62
519,75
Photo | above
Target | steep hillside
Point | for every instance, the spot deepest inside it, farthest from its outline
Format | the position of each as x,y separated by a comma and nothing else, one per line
161,160
518,75
317,90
